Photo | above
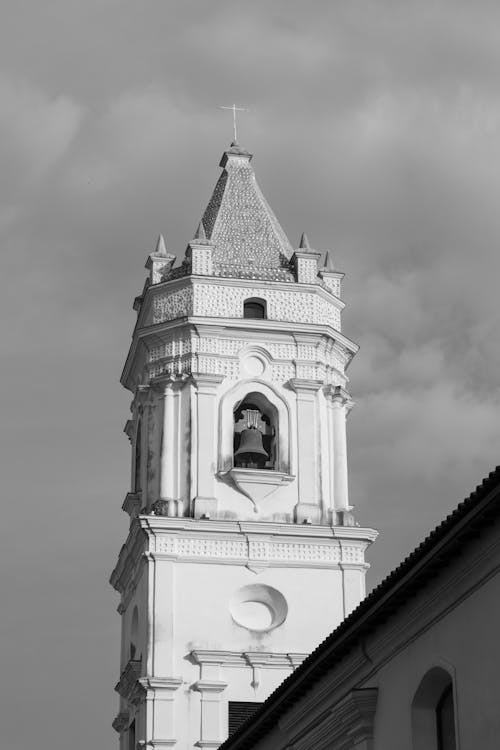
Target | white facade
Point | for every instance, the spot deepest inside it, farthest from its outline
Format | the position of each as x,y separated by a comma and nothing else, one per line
231,574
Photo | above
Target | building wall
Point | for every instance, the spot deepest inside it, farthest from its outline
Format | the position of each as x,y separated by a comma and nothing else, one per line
452,624
465,643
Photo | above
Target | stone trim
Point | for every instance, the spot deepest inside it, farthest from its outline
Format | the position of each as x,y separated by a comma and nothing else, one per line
266,659
128,679
256,545
209,686
120,722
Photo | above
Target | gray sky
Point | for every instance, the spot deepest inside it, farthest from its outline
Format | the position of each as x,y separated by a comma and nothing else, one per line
375,128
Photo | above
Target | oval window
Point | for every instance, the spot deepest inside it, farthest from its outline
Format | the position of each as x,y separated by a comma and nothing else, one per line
258,607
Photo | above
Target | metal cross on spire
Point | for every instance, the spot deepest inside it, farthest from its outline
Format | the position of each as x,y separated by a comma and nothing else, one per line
235,109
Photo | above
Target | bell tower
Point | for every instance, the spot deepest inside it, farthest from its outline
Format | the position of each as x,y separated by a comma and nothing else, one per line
243,552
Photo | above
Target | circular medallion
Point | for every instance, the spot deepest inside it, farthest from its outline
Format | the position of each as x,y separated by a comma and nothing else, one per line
254,366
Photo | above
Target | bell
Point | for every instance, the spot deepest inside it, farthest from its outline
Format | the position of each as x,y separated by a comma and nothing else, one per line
251,451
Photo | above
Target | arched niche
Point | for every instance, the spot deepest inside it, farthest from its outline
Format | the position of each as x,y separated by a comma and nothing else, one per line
134,631
137,457
255,308
256,412
433,717
265,397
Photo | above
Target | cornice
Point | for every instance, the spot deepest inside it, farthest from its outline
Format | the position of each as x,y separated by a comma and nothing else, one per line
304,385
133,549
142,334
209,686
264,659
128,679
252,544
132,503
158,524
169,684
164,384
172,285
221,325
120,722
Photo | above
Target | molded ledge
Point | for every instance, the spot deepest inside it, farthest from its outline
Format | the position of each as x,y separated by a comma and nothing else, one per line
257,484
209,686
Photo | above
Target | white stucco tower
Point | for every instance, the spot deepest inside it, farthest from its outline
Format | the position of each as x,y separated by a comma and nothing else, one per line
243,552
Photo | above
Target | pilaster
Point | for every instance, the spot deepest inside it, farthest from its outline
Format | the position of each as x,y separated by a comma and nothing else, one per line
204,452
308,508
212,734
161,731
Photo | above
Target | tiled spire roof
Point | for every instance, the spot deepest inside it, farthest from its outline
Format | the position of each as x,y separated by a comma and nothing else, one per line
238,221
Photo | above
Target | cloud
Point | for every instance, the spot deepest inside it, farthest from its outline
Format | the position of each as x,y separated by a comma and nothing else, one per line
36,131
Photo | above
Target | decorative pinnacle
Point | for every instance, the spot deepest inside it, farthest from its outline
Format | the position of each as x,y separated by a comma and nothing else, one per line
304,242
200,233
329,264
161,248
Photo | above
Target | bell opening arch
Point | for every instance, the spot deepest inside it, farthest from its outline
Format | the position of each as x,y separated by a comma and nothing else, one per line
256,430
273,419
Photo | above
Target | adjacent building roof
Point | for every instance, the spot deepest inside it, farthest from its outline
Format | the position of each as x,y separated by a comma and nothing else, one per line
478,511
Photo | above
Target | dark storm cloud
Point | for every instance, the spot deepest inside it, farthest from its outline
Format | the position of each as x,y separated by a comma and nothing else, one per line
375,128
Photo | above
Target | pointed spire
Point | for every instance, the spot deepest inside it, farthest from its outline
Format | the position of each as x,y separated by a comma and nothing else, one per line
239,222
200,233
329,264
161,248
304,242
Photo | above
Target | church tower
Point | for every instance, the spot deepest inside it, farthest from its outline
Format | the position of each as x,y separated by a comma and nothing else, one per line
243,552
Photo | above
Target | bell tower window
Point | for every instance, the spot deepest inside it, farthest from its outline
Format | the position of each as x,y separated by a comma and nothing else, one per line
255,427
255,308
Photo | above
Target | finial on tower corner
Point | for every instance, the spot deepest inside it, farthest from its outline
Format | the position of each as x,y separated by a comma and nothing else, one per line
200,233
161,248
304,242
329,264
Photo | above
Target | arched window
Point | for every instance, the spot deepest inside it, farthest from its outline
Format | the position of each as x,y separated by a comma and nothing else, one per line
137,459
254,308
255,429
433,712
445,720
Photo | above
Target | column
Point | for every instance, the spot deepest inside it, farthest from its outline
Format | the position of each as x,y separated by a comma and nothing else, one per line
308,508
167,460
340,404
